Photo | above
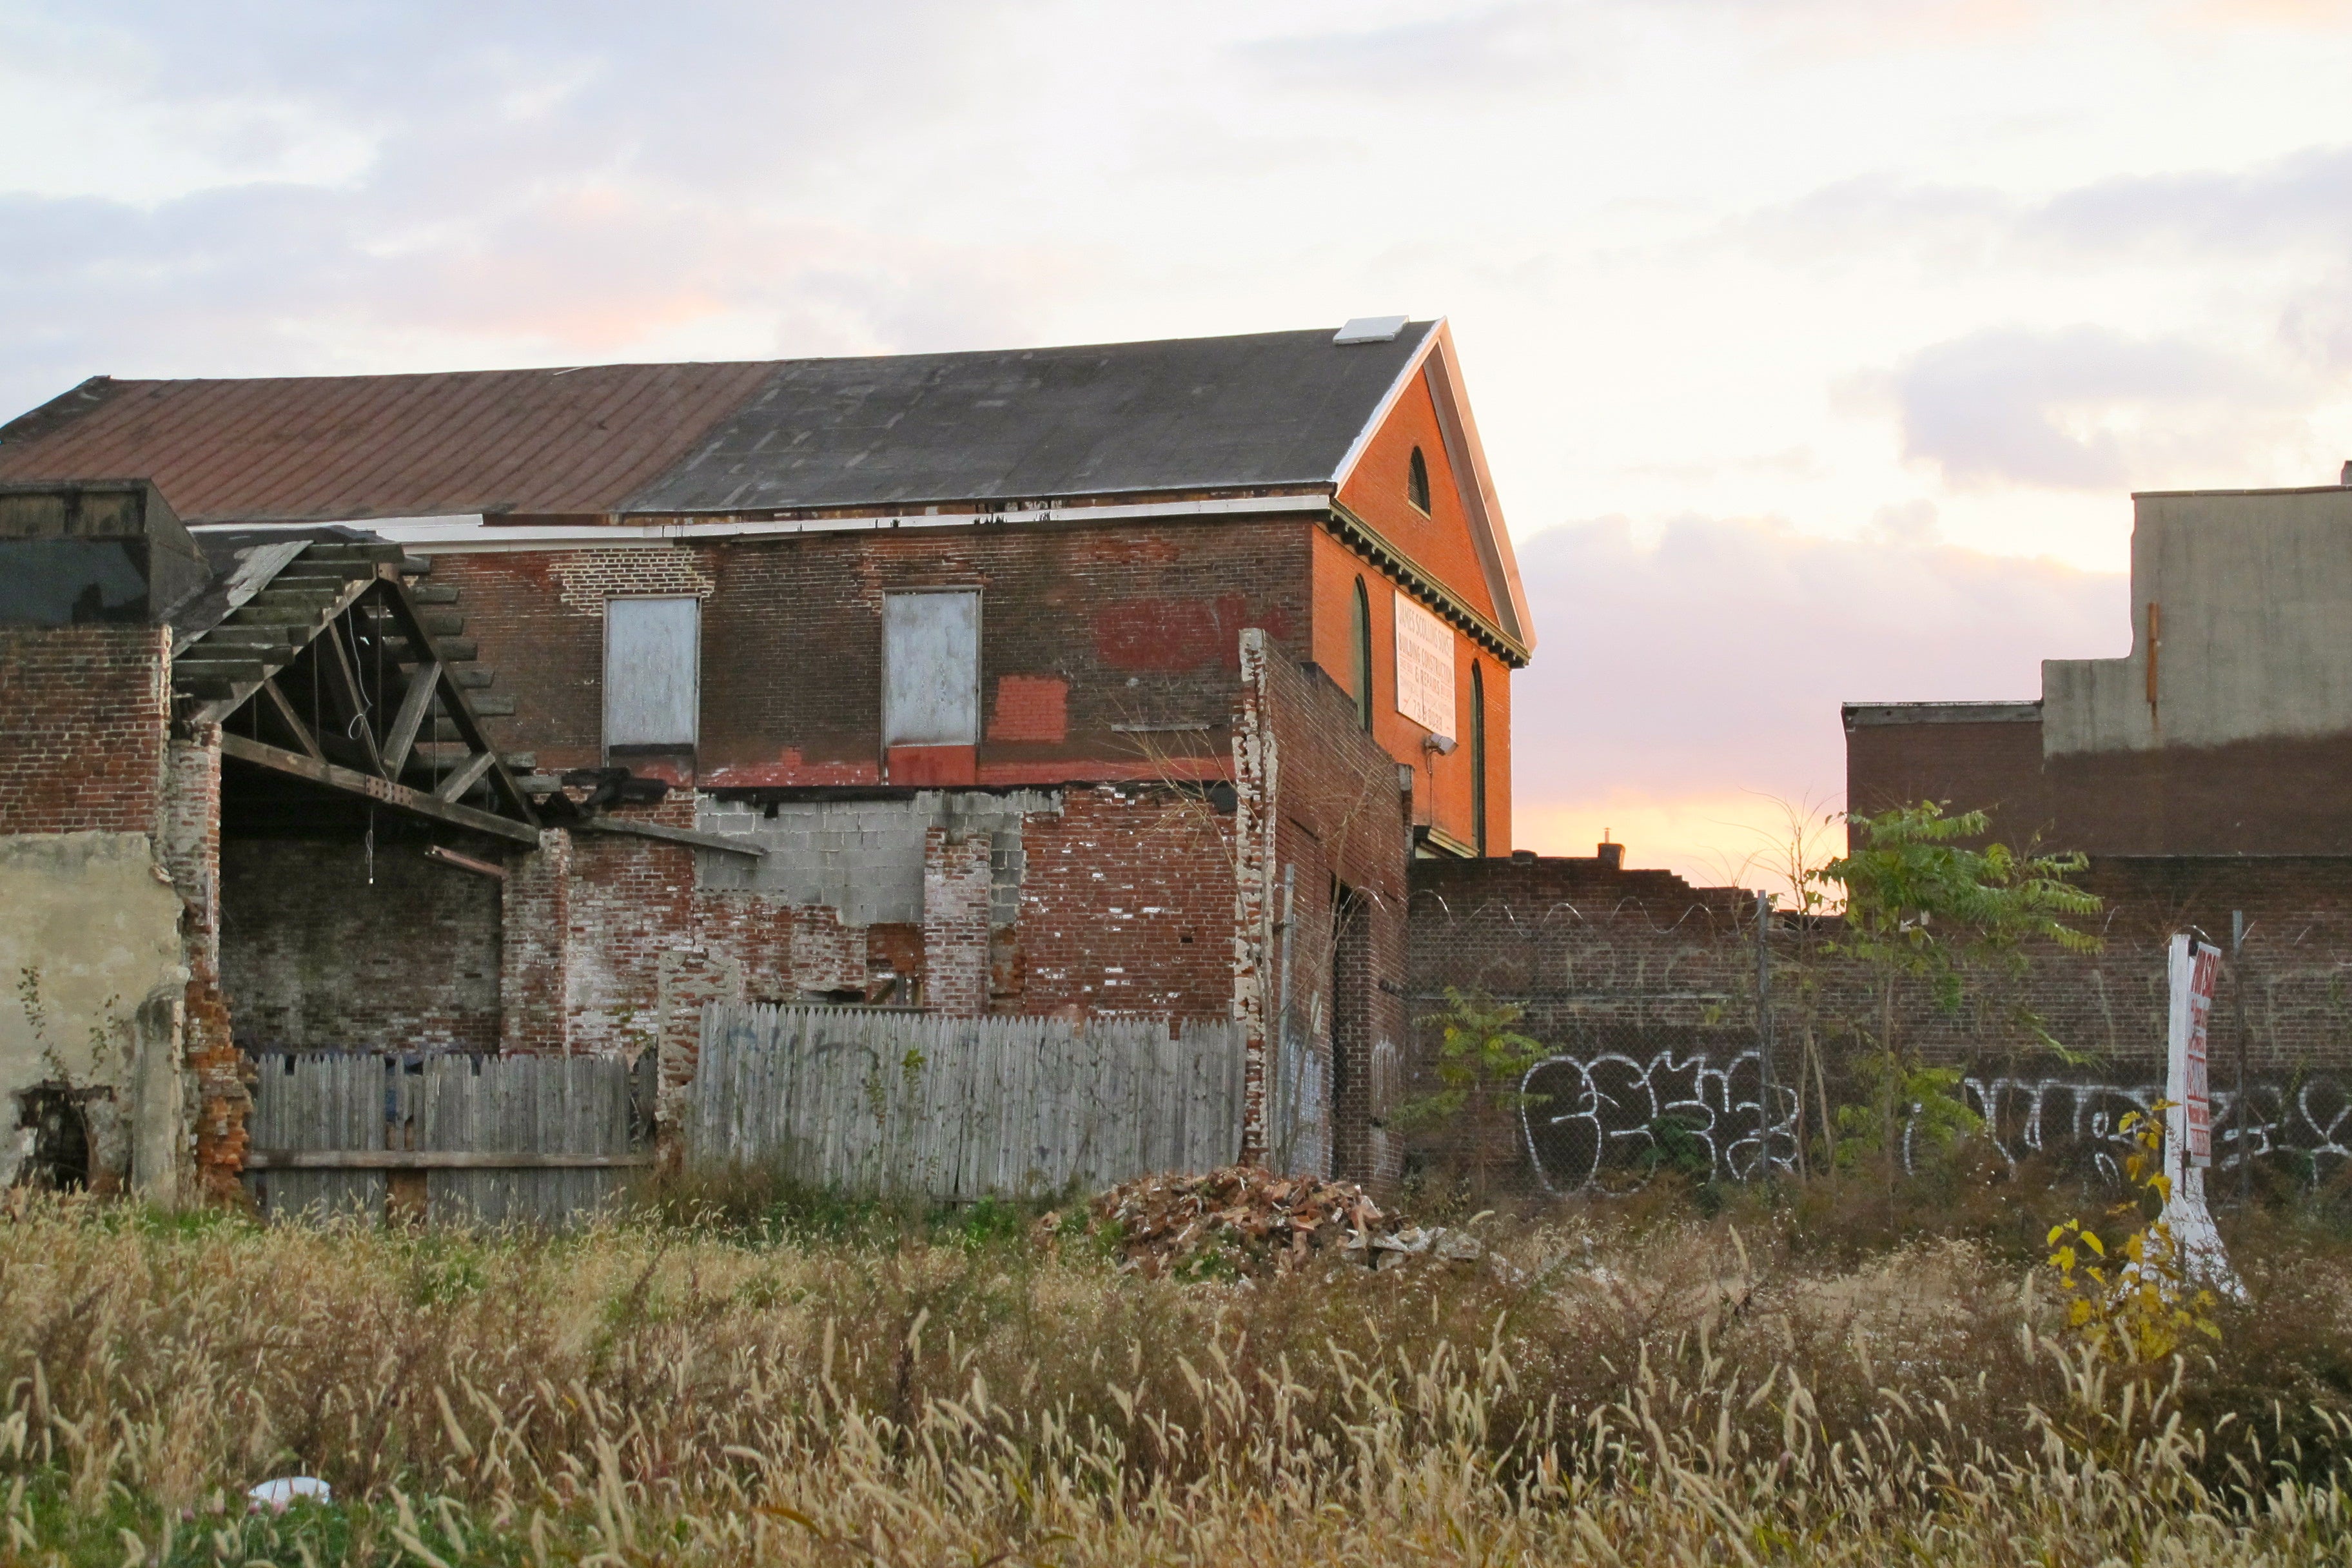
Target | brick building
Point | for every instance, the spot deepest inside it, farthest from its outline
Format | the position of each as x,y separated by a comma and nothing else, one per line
528,710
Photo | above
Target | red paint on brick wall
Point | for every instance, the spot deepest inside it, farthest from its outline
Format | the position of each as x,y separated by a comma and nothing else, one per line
934,765
1170,636
1443,784
792,674
1031,708
791,770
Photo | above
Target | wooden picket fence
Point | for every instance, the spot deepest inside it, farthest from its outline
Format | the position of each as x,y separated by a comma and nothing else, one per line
544,1140
957,1109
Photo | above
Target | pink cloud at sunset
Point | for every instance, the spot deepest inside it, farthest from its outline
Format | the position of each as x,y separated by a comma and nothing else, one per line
1687,688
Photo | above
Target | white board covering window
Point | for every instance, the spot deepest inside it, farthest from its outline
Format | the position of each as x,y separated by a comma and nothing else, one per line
1425,668
931,669
653,671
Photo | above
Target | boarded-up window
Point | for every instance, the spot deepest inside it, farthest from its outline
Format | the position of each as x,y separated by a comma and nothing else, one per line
1425,668
931,669
653,671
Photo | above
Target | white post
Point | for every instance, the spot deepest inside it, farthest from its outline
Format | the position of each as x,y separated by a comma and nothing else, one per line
2189,1125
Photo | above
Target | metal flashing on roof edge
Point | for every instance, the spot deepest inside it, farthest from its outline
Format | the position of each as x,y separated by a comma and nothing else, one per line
1370,330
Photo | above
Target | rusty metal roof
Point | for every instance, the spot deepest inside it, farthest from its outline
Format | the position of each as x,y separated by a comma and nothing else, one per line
1265,409
298,449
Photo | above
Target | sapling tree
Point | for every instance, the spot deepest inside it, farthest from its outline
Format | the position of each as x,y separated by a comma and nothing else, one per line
1482,1060
1923,907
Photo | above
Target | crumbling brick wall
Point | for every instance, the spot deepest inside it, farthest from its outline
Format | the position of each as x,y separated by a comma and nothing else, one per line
1336,888
1126,905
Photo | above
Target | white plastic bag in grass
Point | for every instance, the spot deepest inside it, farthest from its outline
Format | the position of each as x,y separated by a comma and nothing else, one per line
281,1494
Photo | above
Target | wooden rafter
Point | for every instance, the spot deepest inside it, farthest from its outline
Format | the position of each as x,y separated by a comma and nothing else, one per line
380,790
301,675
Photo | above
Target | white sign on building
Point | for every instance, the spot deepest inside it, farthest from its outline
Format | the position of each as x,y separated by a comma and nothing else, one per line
1425,668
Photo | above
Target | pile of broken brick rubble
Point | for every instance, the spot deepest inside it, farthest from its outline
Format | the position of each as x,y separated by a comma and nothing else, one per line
1245,1220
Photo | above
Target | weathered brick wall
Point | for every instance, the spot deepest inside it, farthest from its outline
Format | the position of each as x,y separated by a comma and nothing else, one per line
955,923
315,958
82,744
630,903
1126,906
1090,636
1341,832
535,947
1994,766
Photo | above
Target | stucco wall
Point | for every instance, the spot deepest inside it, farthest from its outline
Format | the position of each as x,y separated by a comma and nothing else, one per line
91,957
2253,590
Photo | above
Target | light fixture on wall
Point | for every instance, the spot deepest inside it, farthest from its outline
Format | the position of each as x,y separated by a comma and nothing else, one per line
1443,745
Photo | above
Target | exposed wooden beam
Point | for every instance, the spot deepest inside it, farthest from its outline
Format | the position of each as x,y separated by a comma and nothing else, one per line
688,836
414,703
238,686
455,786
399,796
350,697
291,718
410,624
431,1160
447,856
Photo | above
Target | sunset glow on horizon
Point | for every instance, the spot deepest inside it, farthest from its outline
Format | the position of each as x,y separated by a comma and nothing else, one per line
1816,345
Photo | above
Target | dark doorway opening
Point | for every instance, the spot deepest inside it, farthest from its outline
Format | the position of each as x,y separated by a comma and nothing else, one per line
58,1160
1351,1024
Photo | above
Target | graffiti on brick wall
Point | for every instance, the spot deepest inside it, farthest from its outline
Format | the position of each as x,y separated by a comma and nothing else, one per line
1631,1117
1613,1119
2309,1115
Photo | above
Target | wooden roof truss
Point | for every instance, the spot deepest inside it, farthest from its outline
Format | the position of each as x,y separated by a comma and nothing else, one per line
330,675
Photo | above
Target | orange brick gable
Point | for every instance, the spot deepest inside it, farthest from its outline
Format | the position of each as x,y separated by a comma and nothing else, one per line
1441,786
1439,542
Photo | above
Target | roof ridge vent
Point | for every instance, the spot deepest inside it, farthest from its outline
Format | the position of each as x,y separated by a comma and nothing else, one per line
1370,330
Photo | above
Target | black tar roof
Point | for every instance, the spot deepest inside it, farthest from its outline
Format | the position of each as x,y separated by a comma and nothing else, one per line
1265,410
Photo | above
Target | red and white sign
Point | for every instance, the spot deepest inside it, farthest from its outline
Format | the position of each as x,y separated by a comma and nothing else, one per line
2196,966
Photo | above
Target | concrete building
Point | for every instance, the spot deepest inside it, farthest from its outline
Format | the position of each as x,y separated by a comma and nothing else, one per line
2227,729
528,710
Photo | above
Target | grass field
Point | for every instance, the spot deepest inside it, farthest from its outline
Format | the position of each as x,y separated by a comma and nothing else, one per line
1632,1386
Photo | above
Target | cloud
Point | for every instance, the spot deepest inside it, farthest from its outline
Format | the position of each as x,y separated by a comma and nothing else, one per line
1693,679
2301,201
2086,407
1499,46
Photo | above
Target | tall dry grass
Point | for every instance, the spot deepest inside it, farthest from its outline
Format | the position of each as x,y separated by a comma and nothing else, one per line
1672,1392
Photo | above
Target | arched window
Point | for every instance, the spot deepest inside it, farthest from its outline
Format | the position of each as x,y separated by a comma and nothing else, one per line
1478,756
1416,484
1363,656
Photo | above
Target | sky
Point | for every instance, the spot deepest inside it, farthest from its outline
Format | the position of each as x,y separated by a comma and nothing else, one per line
1816,345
